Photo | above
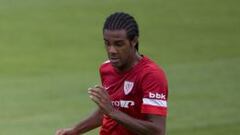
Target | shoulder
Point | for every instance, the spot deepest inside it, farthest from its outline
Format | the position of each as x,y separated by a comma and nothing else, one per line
105,66
150,68
152,76
105,63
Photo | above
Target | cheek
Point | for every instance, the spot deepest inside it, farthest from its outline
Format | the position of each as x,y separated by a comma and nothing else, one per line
125,53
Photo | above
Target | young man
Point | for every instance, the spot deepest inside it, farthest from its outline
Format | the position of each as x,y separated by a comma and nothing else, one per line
133,97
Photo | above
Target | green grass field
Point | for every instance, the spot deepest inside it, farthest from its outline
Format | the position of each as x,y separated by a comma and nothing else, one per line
50,51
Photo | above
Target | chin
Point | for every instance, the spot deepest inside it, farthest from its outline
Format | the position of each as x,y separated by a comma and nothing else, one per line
117,65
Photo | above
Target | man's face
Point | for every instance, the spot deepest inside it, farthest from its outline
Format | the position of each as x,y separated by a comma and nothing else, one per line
119,49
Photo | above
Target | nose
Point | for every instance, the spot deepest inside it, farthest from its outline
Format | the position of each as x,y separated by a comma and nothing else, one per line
112,49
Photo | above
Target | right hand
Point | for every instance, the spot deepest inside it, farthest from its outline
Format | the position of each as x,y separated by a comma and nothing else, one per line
67,131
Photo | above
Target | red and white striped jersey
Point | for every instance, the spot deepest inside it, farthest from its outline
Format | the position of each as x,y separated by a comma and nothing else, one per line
141,90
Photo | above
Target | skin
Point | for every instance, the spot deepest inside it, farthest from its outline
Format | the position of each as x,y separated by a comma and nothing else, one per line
91,122
155,125
123,56
120,50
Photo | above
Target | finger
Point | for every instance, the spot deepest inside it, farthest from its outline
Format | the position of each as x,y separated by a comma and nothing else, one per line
94,93
95,99
100,102
102,89
59,132
97,93
101,94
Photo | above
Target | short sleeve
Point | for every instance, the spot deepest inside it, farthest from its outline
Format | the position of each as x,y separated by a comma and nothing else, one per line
155,93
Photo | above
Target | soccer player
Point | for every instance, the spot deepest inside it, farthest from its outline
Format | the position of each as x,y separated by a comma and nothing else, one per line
133,97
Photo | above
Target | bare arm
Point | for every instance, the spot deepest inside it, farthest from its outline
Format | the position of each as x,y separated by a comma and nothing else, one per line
91,122
155,125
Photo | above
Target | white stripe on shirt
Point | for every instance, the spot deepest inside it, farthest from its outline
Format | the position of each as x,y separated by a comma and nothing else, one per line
154,102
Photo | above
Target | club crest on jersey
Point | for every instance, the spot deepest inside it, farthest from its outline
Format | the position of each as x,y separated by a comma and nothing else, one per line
128,87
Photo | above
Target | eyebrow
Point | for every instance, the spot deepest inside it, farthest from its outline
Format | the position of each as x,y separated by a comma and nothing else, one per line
120,40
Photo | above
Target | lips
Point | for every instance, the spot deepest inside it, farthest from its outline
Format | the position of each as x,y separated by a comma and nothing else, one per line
114,60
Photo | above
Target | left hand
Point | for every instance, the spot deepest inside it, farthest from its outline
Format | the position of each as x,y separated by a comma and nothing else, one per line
100,96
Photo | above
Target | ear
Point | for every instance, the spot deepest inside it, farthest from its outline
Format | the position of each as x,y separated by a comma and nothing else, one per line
134,41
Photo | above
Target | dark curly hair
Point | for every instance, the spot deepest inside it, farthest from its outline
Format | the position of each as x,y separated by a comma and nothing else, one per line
121,20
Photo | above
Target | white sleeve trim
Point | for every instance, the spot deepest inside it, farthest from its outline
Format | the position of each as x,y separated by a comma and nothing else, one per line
107,61
154,102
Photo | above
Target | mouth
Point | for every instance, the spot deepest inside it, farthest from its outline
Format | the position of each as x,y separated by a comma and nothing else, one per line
114,60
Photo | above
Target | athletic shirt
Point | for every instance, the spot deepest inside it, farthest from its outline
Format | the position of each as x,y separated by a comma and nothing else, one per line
137,92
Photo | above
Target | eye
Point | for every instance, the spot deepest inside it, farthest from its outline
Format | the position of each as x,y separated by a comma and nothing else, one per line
118,44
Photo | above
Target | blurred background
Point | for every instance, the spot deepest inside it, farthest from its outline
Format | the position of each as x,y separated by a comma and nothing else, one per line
50,51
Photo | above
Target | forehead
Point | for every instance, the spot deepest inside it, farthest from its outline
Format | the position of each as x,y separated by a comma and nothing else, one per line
115,34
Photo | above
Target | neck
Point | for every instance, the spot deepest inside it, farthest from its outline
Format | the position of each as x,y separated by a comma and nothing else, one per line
131,63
